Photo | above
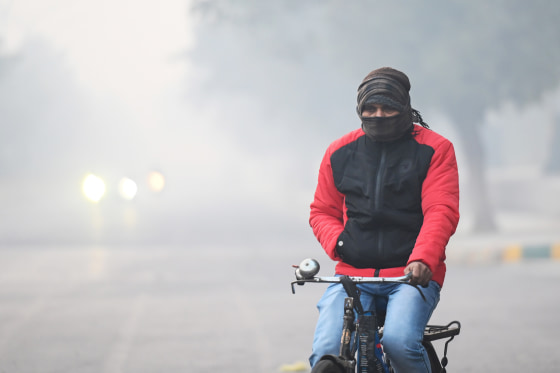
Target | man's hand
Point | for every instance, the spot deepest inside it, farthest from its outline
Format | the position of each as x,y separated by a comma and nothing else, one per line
421,274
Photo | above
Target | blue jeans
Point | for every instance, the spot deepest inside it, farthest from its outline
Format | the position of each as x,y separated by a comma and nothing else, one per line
406,317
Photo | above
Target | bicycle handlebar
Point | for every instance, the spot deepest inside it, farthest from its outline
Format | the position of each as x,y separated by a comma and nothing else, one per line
306,272
360,280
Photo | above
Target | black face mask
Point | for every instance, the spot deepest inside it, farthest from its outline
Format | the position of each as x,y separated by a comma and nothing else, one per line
387,128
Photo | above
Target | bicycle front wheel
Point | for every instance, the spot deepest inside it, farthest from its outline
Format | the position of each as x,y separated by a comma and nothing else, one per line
327,366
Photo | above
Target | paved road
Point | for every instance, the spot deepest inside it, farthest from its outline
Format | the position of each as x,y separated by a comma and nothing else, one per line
170,309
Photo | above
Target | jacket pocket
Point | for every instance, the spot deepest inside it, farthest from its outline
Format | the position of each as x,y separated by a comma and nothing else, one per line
380,248
354,247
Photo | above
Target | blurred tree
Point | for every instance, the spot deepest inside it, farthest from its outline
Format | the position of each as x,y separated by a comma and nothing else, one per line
306,58
552,165
39,105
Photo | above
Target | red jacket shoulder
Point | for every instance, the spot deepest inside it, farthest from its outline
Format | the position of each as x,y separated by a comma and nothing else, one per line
429,137
344,140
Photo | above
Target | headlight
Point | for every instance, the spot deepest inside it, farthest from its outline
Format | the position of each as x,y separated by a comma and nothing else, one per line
93,188
127,188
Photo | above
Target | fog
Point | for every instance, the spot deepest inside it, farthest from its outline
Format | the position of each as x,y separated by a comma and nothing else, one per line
236,125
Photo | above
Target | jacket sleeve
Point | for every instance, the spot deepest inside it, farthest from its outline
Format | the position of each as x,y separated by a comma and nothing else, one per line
327,211
440,205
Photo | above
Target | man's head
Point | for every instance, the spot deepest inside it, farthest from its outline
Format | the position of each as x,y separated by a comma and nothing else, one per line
384,104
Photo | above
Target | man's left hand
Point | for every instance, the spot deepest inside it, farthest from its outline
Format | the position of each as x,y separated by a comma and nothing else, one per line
421,274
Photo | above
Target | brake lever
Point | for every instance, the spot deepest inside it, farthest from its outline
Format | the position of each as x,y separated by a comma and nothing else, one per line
419,290
408,278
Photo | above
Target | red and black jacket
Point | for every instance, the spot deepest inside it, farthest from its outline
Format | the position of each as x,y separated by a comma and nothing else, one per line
379,206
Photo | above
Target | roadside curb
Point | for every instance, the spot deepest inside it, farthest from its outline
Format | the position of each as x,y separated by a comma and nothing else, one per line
509,253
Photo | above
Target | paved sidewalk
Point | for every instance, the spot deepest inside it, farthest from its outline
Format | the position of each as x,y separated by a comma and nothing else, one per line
519,237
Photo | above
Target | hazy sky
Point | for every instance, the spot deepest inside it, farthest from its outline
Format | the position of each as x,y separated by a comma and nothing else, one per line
108,43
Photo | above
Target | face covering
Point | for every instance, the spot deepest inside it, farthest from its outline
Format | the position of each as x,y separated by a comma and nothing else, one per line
385,129
388,87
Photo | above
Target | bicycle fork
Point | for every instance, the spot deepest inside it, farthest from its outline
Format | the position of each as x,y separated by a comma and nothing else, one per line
347,348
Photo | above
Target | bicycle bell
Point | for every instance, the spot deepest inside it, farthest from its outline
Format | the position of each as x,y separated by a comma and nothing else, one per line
308,268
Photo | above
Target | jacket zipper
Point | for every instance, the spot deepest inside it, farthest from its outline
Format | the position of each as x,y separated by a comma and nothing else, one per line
378,196
380,174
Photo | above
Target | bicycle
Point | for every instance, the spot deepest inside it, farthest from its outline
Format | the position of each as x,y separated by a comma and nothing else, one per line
364,331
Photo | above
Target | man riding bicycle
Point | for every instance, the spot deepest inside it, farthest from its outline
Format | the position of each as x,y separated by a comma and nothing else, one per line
386,204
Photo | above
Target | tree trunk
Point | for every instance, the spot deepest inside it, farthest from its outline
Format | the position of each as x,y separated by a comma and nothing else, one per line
483,211
552,164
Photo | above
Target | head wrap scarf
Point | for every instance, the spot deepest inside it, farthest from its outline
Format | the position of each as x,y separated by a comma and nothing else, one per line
388,87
